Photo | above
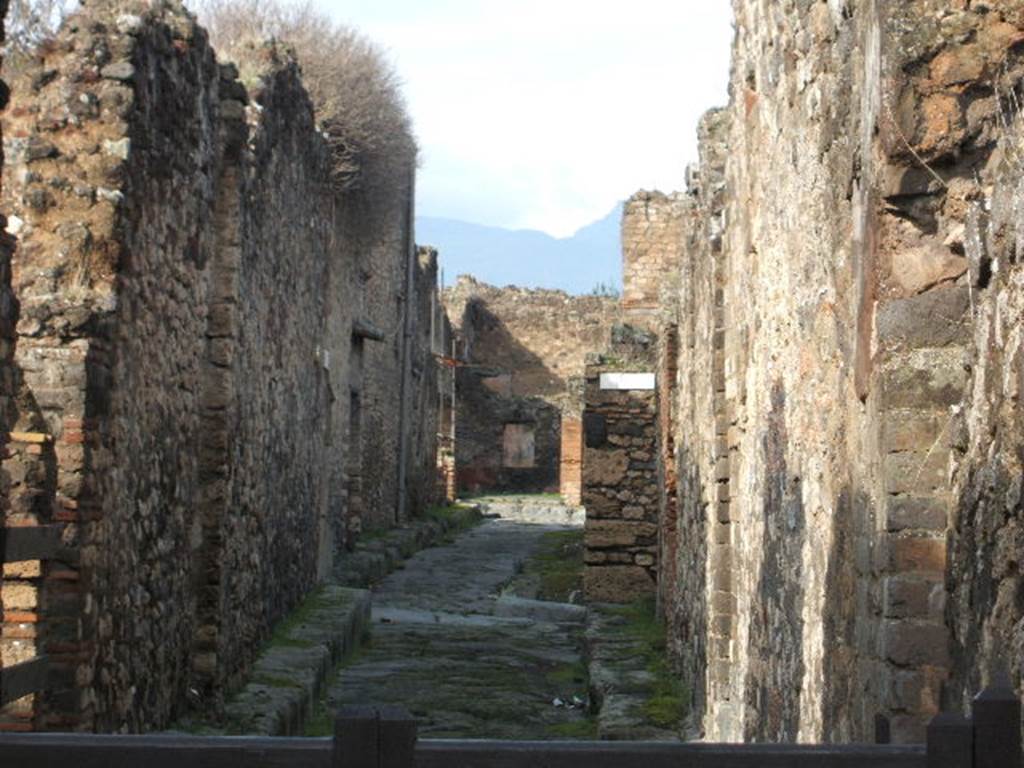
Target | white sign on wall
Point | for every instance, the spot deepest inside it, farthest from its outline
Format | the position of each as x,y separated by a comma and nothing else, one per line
627,381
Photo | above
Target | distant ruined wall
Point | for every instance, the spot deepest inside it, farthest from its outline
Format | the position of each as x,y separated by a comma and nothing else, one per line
521,351
502,441
540,336
191,293
823,315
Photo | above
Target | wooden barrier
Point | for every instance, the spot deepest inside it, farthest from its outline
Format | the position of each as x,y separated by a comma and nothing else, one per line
385,737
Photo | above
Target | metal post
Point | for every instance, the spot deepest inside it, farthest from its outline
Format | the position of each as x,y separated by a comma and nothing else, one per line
950,742
996,715
374,737
356,740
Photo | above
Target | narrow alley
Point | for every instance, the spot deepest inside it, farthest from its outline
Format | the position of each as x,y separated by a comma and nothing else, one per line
458,639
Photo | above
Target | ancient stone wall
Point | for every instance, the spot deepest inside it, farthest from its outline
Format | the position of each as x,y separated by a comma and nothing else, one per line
8,321
266,417
521,350
822,317
619,477
191,303
17,627
651,237
430,390
386,272
986,604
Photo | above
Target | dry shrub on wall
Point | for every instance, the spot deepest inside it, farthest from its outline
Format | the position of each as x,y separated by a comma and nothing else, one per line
355,90
29,24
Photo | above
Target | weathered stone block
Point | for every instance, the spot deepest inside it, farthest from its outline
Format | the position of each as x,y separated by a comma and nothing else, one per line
915,644
924,379
915,430
916,554
617,584
603,534
604,467
19,595
916,473
928,513
916,270
917,691
914,598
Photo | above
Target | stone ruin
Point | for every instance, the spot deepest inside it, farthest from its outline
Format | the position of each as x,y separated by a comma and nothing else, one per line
818,475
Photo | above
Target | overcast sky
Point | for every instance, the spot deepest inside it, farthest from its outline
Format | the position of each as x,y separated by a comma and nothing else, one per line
545,113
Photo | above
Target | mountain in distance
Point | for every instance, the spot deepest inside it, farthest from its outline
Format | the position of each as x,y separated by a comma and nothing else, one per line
526,257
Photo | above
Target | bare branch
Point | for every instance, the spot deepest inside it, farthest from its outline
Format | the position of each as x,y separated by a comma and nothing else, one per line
354,88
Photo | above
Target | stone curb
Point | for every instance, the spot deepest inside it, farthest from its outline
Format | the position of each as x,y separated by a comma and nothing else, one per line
620,685
509,606
371,560
288,677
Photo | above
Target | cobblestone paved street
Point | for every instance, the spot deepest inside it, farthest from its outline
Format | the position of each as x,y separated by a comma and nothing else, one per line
465,656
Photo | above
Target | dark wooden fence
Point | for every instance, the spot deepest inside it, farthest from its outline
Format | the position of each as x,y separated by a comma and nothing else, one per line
19,545
385,737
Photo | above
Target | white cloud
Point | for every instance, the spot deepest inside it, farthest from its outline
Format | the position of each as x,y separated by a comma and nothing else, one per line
544,113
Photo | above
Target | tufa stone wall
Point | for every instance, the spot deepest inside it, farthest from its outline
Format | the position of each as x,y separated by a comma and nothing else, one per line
520,350
823,317
187,353
154,257
620,483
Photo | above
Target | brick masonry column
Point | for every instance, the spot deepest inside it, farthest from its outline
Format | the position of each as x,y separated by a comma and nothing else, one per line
570,479
652,239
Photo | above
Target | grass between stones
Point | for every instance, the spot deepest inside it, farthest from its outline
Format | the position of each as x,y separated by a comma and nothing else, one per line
455,518
666,704
460,514
558,565
282,635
